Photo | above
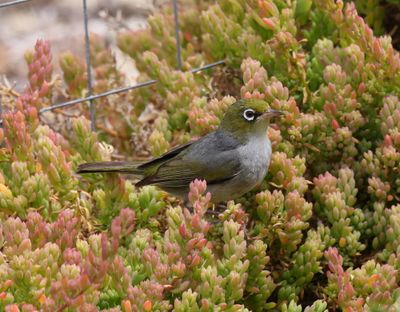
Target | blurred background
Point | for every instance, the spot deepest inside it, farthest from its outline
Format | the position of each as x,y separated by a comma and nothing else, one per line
61,22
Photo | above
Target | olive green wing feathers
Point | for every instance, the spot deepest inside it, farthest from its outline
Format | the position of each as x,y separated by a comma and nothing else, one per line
212,158
179,173
144,169
209,158
151,166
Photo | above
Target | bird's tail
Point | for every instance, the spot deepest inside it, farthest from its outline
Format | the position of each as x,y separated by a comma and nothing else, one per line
109,166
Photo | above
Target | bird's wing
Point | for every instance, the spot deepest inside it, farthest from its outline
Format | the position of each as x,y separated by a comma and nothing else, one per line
207,158
151,166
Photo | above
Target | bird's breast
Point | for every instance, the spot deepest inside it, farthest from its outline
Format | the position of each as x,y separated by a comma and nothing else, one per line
255,156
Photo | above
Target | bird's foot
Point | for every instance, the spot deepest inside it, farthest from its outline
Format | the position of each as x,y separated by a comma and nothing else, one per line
213,212
220,207
216,210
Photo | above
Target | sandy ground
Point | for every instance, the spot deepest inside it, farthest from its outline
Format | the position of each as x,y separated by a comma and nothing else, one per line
61,22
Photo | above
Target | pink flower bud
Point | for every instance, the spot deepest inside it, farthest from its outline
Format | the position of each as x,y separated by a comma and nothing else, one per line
377,48
36,66
205,304
44,89
191,244
388,140
361,88
330,108
147,305
201,243
33,80
7,284
104,246
12,308
269,23
25,245
182,230
126,304
196,222
335,124
41,74
195,261
43,60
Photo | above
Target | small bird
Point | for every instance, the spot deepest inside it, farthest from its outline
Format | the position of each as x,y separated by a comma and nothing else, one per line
232,159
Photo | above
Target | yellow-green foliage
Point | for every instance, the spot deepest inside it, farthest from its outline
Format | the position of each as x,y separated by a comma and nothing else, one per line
320,233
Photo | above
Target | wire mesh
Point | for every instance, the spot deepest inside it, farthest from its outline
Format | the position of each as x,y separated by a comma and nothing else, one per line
89,66
11,3
91,97
177,38
123,89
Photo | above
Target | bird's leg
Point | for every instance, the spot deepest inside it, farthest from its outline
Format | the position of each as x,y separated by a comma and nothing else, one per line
212,212
215,212
221,207
187,205
213,215
216,209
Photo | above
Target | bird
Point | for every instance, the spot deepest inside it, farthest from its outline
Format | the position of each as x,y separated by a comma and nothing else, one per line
232,159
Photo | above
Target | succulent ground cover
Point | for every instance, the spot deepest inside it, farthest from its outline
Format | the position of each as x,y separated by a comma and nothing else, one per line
322,232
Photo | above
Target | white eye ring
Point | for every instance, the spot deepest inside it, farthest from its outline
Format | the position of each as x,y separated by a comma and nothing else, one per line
249,114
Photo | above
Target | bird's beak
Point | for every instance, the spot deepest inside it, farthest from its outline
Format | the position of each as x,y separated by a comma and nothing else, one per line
273,113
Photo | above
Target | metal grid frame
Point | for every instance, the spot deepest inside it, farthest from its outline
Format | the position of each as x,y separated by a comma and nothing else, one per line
92,97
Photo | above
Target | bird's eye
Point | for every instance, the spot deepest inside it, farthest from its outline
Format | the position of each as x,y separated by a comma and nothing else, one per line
249,114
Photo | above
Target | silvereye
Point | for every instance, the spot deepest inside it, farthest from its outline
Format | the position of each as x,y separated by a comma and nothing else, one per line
232,159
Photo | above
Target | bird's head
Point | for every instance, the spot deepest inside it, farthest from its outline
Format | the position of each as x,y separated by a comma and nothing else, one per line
248,117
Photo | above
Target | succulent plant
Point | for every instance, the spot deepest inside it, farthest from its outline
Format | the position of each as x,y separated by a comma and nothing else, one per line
320,233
